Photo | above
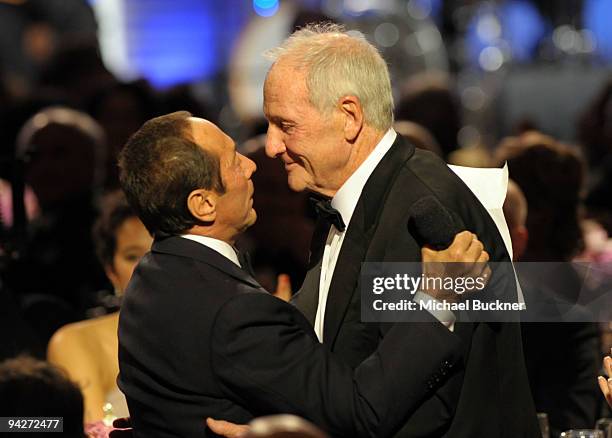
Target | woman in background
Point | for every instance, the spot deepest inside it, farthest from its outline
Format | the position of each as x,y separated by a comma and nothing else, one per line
87,350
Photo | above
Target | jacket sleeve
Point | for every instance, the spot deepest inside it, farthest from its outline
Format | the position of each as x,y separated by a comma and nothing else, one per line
267,358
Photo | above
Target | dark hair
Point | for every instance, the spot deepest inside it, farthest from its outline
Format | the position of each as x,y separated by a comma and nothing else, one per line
551,176
114,211
430,101
33,388
594,127
159,166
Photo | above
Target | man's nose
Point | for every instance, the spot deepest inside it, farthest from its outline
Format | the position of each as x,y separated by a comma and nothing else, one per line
248,166
274,144
251,166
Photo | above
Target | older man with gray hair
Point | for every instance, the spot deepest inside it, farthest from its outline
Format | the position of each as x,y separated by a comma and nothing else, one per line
328,101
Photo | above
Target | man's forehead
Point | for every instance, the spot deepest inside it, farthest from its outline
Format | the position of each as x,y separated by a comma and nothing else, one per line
204,127
199,122
208,135
289,71
284,84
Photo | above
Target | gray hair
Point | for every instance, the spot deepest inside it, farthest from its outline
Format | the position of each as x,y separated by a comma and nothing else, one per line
340,63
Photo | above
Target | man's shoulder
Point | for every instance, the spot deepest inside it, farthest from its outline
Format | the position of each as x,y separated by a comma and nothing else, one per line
424,175
430,175
169,281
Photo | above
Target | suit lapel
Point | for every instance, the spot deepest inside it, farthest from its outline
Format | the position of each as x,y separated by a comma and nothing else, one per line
307,298
181,247
359,235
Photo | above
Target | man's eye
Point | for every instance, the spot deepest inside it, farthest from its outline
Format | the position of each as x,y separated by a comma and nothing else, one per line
286,127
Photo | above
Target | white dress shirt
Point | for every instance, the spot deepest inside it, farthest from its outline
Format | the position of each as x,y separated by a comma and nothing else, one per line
223,248
345,202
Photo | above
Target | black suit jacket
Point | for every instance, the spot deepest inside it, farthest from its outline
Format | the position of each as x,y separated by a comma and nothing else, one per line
491,397
199,338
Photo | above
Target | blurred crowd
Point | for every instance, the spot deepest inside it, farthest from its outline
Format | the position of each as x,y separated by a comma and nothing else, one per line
68,240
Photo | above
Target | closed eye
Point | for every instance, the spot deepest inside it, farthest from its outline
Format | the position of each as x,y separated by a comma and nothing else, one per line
286,127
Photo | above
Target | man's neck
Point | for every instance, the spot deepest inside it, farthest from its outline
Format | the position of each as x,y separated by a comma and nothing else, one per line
362,148
214,233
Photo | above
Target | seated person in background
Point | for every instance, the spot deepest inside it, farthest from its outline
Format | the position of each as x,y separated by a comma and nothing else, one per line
33,388
198,337
87,350
542,211
62,152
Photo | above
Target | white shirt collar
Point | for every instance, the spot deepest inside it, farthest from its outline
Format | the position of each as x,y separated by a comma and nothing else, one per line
223,248
347,196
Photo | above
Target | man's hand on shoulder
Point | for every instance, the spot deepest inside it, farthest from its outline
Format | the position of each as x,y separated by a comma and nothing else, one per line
465,257
227,429
283,287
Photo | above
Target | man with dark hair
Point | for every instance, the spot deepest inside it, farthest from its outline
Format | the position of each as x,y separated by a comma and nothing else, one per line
160,149
199,338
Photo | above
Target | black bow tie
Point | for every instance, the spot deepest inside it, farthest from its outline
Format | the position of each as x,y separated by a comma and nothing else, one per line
325,211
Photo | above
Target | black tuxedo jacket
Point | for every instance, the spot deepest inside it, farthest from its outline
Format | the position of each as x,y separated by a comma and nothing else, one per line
491,397
199,338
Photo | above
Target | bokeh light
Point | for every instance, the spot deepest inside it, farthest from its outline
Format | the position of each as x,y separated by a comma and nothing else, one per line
265,8
597,18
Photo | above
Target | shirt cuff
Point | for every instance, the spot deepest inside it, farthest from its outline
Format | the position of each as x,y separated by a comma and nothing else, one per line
445,316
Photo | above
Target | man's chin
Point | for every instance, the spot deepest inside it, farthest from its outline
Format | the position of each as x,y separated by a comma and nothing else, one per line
296,184
252,218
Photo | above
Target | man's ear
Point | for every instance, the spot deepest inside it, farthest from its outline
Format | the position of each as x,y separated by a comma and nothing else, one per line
353,120
202,205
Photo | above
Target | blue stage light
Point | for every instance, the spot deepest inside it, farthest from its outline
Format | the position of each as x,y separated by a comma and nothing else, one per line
516,25
265,8
171,42
597,17
523,28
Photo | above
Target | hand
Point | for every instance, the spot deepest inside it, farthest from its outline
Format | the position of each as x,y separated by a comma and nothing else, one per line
464,258
227,429
283,287
606,384
123,428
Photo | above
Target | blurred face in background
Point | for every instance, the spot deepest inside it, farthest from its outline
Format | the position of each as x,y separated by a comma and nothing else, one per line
132,242
62,165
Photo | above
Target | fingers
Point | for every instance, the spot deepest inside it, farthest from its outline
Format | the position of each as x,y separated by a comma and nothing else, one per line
227,429
606,384
283,287
428,254
122,423
121,433
475,250
606,388
484,257
465,248
122,430
462,241
481,267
